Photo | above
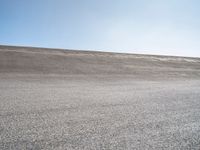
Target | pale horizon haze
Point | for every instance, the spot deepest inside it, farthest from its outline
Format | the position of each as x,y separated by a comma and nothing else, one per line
161,27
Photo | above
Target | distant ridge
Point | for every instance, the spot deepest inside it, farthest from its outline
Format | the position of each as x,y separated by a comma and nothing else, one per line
15,59
30,48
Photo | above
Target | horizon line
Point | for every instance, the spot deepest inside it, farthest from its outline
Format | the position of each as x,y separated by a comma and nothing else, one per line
96,50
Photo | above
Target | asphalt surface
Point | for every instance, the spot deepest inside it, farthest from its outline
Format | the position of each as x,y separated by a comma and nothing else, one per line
152,105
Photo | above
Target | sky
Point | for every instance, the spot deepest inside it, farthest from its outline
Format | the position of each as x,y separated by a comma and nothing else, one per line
161,27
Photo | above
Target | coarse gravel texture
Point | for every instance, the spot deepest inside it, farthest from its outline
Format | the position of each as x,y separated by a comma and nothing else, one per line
55,99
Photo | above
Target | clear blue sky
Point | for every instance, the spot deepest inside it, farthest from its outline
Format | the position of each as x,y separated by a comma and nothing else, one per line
169,27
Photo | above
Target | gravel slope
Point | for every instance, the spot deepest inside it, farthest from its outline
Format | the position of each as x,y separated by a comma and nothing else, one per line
55,99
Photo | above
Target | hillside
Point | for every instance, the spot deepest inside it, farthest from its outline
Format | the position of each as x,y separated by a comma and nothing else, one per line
56,61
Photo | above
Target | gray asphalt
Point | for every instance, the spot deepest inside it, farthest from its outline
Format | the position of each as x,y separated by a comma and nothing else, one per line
143,108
